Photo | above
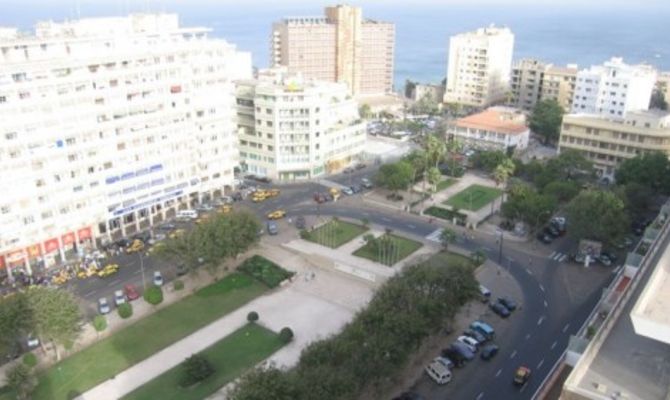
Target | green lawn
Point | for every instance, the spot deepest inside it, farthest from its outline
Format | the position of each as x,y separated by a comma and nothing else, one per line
104,359
449,258
445,184
230,357
335,233
473,197
388,255
264,270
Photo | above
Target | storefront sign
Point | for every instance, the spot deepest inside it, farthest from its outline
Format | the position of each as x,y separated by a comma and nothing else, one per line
2,262
50,245
68,239
34,251
15,256
84,234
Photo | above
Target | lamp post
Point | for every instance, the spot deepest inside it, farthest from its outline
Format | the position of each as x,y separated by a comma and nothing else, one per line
501,236
144,282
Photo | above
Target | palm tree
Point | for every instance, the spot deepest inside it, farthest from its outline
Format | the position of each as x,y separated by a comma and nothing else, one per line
504,171
434,176
454,146
478,257
435,149
447,236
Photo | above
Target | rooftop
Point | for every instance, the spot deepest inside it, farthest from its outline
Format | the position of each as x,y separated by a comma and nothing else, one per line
496,119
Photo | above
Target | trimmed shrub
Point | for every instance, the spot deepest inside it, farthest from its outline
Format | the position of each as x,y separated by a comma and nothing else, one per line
304,234
99,323
195,369
30,360
178,284
153,295
286,334
125,310
252,316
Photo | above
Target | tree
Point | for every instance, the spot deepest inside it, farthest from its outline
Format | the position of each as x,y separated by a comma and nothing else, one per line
650,169
434,176
478,257
503,171
562,191
546,119
658,100
435,149
447,237
525,204
454,148
636,196
195,369
261,383
125,310
153,295
21,380
286,334
15,320
99,323
488,160
409,88
394,177
425,105
365,111
252,316
597,215
55,315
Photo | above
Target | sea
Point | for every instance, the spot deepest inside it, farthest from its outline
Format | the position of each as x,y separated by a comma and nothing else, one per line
584,34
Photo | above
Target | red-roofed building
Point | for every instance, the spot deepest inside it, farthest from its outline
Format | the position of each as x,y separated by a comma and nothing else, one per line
497,128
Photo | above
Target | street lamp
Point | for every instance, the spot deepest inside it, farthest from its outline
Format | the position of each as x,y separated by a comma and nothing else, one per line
144,282
501,235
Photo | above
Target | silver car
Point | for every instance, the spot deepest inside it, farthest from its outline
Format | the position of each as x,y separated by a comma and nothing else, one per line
103,306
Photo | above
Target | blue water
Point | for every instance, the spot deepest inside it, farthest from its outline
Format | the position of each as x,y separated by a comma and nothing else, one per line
551,33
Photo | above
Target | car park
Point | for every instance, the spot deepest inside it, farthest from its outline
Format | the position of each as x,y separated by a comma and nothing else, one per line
483,328
439,373
508,303
119,297
479,337
273,229
131,292
158,278
499,309
103,306
444,361
489,351
521,375
472,344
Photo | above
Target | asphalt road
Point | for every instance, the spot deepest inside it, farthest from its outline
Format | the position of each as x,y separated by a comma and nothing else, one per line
542,328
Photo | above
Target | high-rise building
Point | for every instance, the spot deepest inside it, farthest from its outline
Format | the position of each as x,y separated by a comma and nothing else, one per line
607,142
558,84
479,68
108,126
663,84
292,128
613,89
340,47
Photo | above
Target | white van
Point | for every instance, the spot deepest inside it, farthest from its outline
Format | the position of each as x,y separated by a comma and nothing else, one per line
439,373
187,214
485,293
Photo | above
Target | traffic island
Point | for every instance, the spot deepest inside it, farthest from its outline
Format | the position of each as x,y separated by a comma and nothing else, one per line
388,249
334,233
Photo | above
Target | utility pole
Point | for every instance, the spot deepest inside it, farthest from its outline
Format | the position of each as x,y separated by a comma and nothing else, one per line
144,281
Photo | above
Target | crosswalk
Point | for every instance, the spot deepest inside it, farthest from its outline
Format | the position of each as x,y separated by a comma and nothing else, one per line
435,236
558,256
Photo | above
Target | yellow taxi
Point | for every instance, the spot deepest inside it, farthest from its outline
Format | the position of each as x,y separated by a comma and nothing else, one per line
135,246
335,193
278,214
272,192
225,209
109,269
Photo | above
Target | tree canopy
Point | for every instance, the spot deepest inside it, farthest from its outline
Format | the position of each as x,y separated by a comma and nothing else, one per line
658,100
650,169
395,176
597,215
526,204
546,119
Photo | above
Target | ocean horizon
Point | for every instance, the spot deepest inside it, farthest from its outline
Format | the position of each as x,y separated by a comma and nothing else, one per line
555,34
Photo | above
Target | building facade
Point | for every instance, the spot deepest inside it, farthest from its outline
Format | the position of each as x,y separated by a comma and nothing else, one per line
108,126
340,47
558,83
432,92
613,89
480,62
526,83
663,84
607,142
497,128
292,128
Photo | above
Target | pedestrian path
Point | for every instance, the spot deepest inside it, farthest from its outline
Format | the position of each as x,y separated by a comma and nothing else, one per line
557,256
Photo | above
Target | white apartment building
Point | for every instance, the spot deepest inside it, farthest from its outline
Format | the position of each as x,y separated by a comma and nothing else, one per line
292,128
108,126
496,128
614,88
479,68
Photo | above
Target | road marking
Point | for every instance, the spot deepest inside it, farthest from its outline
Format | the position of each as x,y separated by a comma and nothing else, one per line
539,365
137,271
541,287
366,213
523,387
565,328
553,345
498,373
513,354
89,293
527,336
546,304
386,219
529,271
487,248
539,321
553,253
113,283
563,257
480,395
411,226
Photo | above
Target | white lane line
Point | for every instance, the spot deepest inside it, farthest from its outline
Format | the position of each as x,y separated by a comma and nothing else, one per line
523,387
512,355
480,395
499,372
539,365
366,213
539,321
529,271
113,283
89,293
411,226
553,345
137,271
553,253
527,336
565,328
563,257
541,287
386,219
546,304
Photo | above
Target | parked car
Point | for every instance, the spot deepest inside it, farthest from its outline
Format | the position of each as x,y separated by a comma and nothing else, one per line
204,207
360,166
521,375
131,292
552,231
237,196
472,344
578,258
167,227
454,356
348,170
544,238
356,188
612,256
479,337
464,350
409,396
444,361
508,303
485,293
499,309
439,373
273,229
489,351
32,341
347,191
158,278
277,214
181,269
365,182
103,306
483,328
604,259
300,222
119,297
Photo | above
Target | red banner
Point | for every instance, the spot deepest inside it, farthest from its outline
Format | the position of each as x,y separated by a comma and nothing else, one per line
84,233
15,256
68,238
2,262
34,251
50,245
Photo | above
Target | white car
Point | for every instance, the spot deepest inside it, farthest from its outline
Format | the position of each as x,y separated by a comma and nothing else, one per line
472,344
347,191
158,278
103,306
119,297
